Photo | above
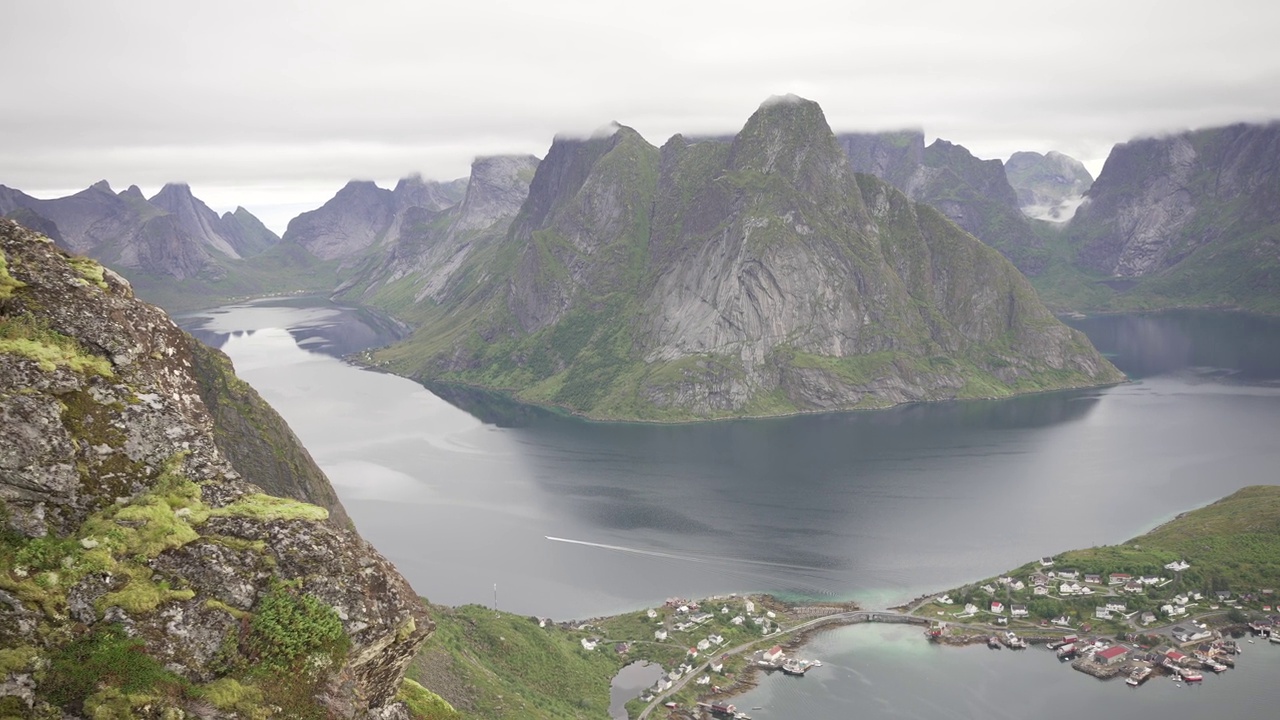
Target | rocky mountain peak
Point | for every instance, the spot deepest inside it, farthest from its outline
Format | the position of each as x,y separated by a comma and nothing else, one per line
101,186
196,220
497,187
133,193
789,136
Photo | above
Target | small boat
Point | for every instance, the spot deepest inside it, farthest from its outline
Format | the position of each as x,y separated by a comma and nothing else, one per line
1250,641
993,642
817,663
1191,677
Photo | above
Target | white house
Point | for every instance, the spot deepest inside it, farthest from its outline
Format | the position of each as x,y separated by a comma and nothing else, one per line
997,607
1046,562
1018,610
716,639
773,654
1102,613
1116,606
751,607
1069,588
737,620
589,644
652,613
1178,565
704,644
970,608
989,590
944,600
717,667
660,635
770,614
1148,617
1068,575
704,680
1018,585
1040,590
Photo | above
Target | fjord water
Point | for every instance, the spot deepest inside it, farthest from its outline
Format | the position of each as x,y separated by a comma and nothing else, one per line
875,506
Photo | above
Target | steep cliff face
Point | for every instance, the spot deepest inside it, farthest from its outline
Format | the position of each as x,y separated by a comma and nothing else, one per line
1049,186
1193,216
753,277
974,194
142,571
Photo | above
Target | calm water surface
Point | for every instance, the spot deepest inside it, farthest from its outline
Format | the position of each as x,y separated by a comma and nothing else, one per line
573,519
876,506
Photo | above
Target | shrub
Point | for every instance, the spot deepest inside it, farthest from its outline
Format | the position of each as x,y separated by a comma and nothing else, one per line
104,657
289,628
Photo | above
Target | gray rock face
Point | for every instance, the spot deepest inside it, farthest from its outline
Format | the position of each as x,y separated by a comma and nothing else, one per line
194,218
974,194
110,446
1158,201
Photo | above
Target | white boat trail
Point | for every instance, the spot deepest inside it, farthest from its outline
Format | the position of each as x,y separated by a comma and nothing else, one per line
707,559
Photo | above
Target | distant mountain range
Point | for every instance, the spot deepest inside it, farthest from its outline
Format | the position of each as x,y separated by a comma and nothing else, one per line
771,271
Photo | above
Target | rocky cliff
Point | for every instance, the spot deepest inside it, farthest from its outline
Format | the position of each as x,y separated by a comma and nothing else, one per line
362,215
144,572
974,194
754,277
1049,186
1187,219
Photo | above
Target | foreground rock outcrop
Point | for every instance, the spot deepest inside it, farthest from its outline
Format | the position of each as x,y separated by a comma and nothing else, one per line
141,574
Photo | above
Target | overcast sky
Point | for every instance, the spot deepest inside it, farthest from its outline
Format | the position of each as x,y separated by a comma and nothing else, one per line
275,105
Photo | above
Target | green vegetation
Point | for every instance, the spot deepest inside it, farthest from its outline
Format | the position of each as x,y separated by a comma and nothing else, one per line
289,628
1232,545
424,704
88,269
270,507
8,283
498,665
31,338
106,657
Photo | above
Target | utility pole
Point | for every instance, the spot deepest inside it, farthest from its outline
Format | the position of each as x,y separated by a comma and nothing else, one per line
495,598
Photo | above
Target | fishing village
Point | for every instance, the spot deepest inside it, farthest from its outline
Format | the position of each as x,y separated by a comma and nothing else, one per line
1119,625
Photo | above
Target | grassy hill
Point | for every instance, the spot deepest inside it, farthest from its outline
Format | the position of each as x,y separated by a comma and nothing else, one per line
1232,545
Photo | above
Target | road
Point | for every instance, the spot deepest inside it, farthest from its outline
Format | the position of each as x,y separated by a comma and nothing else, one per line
844,618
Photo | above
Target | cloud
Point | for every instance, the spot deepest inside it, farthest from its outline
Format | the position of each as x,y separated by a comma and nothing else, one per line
311,94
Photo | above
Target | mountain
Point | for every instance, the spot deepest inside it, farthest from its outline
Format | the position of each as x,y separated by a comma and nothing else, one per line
1186,219
973,193
434,243
245,232
363,215
717,279
145,571
1050,186
172,235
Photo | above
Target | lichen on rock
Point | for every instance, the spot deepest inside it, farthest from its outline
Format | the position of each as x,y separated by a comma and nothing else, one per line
127,533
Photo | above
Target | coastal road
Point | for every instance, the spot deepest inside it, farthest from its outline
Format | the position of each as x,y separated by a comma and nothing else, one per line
844,618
